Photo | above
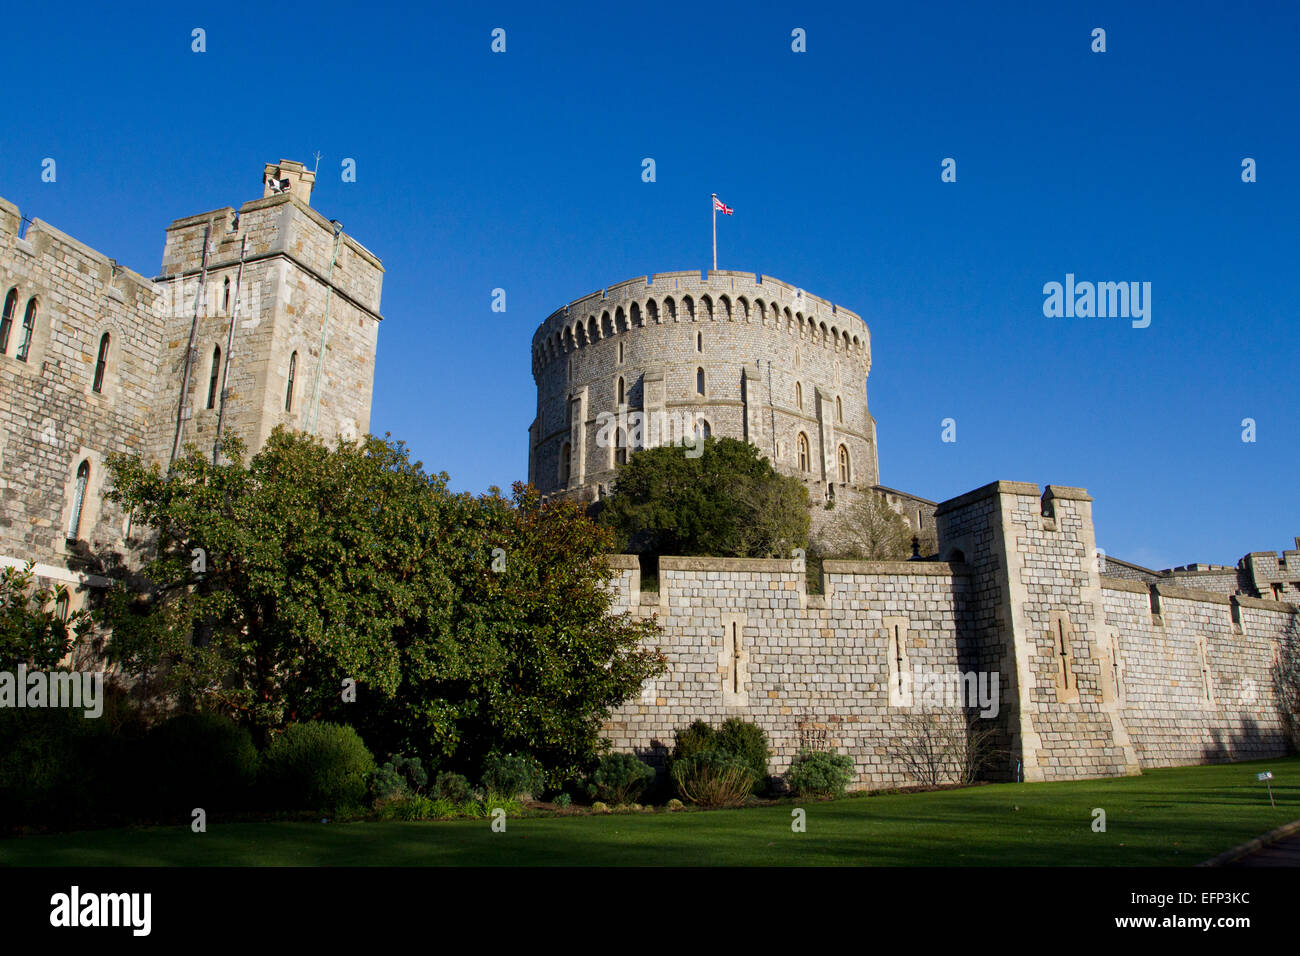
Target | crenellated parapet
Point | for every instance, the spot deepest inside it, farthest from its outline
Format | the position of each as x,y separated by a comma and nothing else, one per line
733,354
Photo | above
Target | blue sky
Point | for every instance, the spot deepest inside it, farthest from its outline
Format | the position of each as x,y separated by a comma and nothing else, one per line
522,171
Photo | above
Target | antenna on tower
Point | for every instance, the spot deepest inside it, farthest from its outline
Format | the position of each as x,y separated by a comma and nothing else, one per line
317,169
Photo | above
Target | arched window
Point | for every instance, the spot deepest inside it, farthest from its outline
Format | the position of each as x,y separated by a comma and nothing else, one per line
699,381
798,395
620,353
225,297
622,392
699,341
845,474
216,374
78,500
29,324
803,452
101,363
839,410
288,392
7,323
702,429
566,453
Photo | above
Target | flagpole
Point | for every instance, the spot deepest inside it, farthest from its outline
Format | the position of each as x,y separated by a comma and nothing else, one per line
714,206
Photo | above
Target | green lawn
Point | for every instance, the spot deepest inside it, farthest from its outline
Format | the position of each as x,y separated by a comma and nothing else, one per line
1175,817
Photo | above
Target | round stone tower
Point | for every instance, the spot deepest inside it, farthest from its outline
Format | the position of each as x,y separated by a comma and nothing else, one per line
671,356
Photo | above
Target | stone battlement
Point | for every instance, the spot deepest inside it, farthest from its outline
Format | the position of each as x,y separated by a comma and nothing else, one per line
278,326
732,354
1082,675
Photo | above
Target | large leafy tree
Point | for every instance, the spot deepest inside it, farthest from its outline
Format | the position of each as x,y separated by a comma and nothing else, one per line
532,658
280,586
726,501
33,629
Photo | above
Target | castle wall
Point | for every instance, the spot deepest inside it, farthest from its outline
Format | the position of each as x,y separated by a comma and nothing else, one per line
1195,672
1090,681
743,638
53,418
1273,576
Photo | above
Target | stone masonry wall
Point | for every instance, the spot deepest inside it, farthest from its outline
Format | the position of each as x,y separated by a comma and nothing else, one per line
743,638
1096,676
1194,671
53,417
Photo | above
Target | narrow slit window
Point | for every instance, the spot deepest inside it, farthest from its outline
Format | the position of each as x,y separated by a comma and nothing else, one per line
735,658
288,392
29,325
898,665
78,501
7,323
101,363
216,375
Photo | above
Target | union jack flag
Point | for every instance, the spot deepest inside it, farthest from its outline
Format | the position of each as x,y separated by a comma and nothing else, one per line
722,207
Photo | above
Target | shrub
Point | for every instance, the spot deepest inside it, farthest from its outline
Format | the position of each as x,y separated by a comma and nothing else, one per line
746,741
200,760
819,773
510,775
600,807
675,804
408,807
621,778
562,800
399,777
741,739
316,765
452,787
698,737
713,778
48,765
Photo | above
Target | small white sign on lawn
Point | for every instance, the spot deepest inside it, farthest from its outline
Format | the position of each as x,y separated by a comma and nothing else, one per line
1266,776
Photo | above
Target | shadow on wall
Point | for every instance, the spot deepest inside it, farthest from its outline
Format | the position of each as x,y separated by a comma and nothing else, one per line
1248,743
1286,680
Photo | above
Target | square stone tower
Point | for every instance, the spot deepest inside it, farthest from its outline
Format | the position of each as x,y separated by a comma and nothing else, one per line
1038,621
272,317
